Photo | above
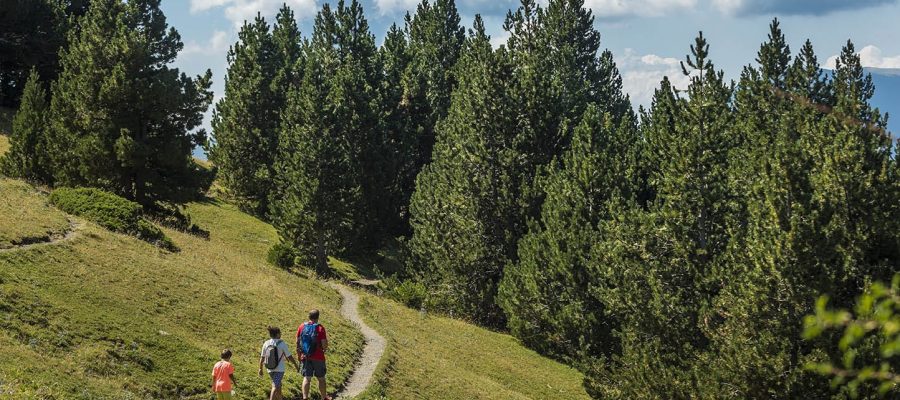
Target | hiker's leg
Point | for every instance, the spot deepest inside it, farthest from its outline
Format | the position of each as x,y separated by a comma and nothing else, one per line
322,387
305,387
272,394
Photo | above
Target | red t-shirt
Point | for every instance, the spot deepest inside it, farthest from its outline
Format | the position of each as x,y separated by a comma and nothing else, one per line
319,353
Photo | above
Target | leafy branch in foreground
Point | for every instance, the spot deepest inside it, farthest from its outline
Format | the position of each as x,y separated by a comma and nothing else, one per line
875,317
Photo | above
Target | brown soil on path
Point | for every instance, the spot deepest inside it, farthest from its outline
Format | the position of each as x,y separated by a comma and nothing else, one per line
372,352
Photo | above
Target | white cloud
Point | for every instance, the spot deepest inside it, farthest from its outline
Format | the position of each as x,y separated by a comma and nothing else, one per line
643,8
793,7
388,7
870,56
216,46
238,11
641,75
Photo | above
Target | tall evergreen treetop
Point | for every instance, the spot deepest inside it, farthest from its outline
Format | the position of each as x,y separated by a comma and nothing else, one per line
435,41
774,56
288,52
246,119
134,134
805,77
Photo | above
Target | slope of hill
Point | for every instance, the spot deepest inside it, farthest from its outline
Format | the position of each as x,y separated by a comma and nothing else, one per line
441,358
106,316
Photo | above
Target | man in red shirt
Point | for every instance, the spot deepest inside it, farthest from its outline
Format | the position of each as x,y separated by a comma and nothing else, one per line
311,338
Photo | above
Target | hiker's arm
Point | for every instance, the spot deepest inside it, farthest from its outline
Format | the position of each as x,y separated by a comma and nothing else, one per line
324,344
234,382
293,362
213,386
261,361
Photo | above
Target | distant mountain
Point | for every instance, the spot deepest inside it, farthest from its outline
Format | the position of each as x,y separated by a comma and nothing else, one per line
887,95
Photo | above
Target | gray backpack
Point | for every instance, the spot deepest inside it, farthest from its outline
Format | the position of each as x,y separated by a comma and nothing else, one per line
272,358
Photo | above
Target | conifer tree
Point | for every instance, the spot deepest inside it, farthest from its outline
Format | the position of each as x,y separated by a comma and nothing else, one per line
133,134
288,51
325,148
435,42
28,155
547,293
245,120
398,141
560,69
464,202
655,268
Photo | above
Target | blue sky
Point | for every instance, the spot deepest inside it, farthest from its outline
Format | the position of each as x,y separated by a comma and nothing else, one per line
647,37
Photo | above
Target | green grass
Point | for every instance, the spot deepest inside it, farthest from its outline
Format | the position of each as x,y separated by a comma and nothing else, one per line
108,316
26,216
440,358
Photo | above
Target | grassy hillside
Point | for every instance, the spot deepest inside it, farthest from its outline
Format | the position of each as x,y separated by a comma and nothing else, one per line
25,215
4,144
440,358
106,316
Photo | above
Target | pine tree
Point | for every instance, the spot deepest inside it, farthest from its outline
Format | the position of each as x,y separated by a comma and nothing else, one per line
245,121
560,69
435,41
288,46
28,157
463,203
133,134
398,141
547,293
655,268
323,171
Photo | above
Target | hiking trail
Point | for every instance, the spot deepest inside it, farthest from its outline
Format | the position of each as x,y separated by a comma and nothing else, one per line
59,237
372,352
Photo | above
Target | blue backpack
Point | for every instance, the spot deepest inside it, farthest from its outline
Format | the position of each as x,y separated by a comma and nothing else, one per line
309,339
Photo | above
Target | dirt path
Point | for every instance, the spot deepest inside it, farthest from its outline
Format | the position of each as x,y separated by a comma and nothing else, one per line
372,352
69,234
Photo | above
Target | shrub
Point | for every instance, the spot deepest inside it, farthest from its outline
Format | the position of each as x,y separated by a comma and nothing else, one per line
106,209
282,255
111,212
410,293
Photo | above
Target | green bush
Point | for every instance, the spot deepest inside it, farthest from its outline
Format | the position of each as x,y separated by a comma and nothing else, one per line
282,255
408,292
106,209
111,212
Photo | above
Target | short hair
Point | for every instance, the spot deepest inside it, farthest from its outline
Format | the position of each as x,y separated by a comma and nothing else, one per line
226,354
314,315
274,332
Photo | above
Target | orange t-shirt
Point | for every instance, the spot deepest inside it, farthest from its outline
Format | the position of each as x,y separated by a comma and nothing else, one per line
221,372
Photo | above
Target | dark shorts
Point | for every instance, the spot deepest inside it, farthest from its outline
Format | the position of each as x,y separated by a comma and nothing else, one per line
313,368
276,378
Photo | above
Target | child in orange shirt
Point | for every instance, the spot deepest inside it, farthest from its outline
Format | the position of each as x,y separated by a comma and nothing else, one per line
223,377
